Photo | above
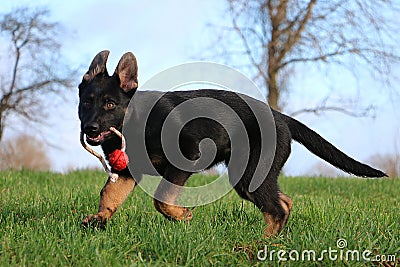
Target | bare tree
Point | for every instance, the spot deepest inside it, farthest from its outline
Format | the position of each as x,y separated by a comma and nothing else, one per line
390,163
322,168
32,75
275,35
24,152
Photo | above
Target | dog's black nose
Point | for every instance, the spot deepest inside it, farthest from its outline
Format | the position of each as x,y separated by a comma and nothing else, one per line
91,128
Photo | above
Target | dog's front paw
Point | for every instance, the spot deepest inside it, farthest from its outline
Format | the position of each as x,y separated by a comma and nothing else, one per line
94,221
173,212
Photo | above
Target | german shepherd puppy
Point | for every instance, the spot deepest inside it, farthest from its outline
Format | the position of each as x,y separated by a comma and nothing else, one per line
104,101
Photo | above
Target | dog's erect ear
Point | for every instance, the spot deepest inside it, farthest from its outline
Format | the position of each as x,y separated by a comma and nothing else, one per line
126,71
97,66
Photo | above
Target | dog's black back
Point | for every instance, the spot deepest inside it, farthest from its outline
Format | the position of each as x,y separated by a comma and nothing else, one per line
219,123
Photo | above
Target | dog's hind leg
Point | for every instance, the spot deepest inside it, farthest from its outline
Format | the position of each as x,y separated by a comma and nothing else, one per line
167,193
287,204
111,198
276,213
274,205
266,197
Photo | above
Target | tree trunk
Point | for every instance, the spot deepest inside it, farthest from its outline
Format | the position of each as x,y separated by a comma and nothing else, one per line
273,90
1,126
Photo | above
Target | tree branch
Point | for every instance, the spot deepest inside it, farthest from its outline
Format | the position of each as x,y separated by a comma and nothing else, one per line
295,34
15,70
276,34
246,46
39,85
33,39
321,109
323,57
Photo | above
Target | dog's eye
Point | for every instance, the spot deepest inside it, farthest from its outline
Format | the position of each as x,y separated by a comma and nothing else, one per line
110,105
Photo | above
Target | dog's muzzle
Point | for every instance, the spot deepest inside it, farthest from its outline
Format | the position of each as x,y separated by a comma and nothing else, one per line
97,140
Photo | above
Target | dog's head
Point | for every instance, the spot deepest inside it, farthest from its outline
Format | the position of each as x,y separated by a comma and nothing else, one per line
103,99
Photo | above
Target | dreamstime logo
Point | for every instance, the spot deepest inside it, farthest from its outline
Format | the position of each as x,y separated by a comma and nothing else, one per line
340,253
341,243
169,117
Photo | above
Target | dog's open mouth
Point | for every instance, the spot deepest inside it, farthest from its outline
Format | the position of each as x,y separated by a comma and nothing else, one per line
97,140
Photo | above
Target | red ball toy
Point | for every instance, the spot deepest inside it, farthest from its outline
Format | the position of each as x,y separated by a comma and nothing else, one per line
118,160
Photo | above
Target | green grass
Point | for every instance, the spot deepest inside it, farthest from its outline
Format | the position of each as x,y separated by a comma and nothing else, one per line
40,216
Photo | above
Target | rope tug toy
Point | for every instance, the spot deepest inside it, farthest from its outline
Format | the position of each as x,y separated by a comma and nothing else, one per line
118,159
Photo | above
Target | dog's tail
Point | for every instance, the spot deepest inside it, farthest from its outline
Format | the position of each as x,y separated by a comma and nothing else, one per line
328,152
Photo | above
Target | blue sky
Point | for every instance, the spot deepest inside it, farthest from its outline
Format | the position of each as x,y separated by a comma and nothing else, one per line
165,33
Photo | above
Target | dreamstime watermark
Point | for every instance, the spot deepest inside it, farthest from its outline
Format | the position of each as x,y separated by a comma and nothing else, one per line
338,253
167,116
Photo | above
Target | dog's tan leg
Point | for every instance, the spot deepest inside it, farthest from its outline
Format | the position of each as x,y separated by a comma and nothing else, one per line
287,204
166,196
111,198
274,223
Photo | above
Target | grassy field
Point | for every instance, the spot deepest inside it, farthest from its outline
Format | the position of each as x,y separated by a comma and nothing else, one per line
40,216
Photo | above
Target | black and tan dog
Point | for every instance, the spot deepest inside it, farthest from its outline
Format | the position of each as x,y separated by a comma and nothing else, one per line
103,103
